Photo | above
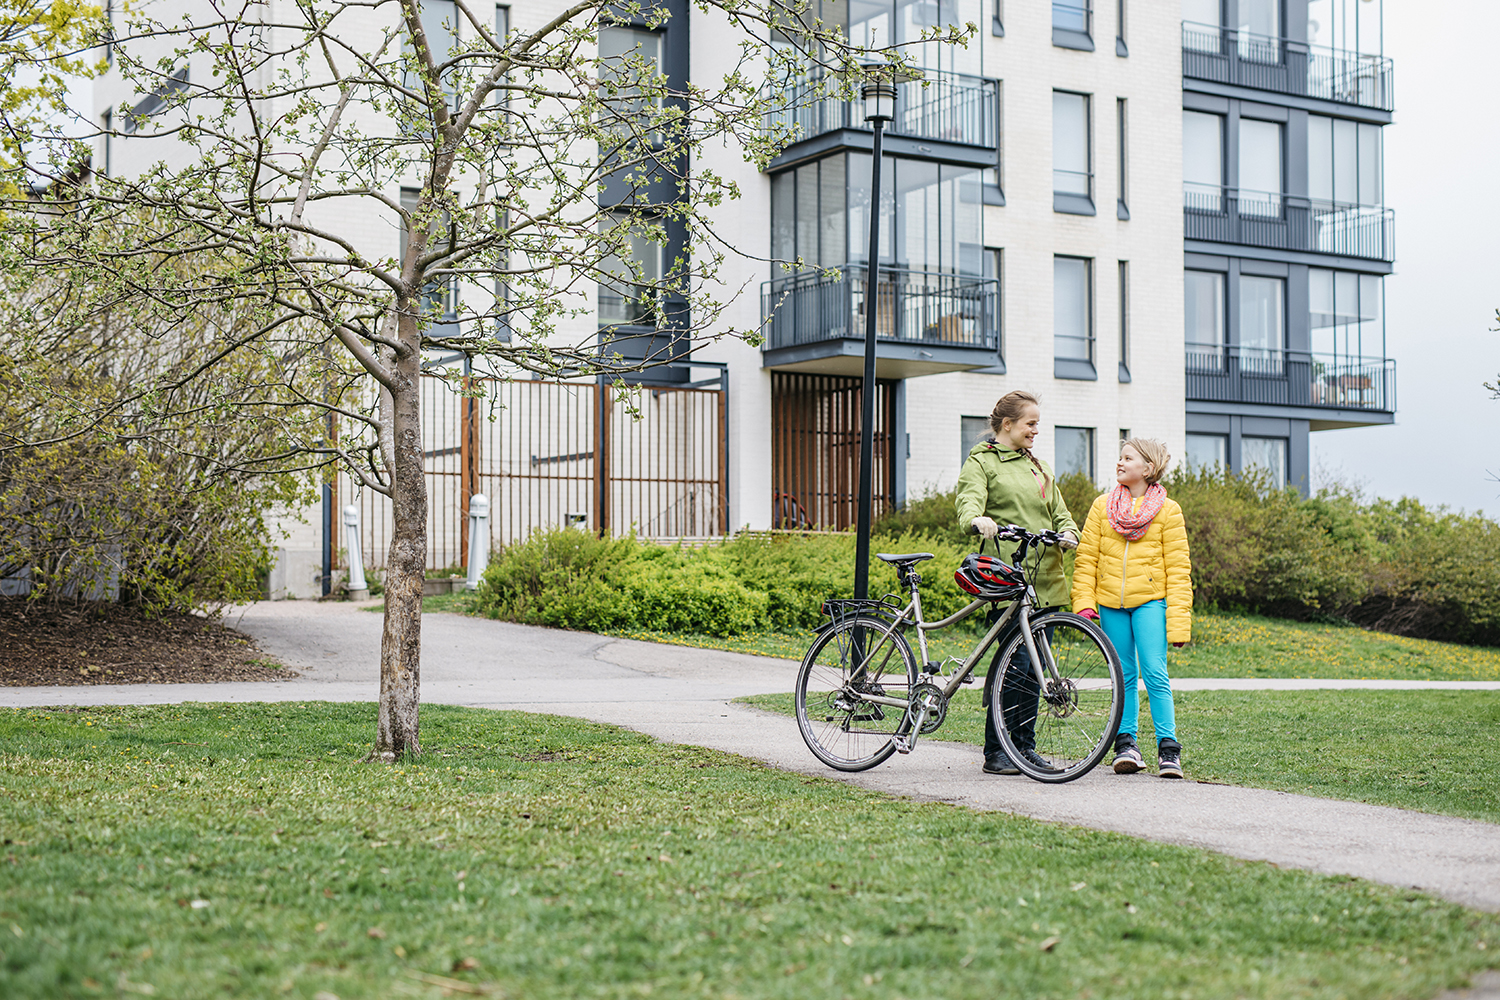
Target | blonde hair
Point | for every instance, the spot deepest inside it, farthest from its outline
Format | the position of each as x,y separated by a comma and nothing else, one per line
1010,407
1154,452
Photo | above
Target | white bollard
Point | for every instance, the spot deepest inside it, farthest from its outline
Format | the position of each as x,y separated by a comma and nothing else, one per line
356,553
479,539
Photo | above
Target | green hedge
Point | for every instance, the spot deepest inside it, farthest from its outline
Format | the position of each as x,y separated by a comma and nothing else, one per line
570,579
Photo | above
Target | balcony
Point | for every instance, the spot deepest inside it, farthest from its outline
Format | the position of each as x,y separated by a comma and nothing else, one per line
1288,222
947,107
1291,378
925,322
1262,62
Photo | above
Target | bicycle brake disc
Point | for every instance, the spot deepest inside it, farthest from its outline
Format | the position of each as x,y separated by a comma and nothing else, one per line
1062,698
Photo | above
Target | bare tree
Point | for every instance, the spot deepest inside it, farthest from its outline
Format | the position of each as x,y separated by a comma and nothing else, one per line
282,138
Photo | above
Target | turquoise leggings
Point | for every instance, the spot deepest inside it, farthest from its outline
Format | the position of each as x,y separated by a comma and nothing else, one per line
1140,637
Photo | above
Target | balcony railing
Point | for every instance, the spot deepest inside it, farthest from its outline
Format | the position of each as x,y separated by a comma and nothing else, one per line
948,310
949,107
1263,62
1290,378
1288,222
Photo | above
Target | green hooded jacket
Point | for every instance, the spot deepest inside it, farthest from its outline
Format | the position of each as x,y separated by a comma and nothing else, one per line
1004,485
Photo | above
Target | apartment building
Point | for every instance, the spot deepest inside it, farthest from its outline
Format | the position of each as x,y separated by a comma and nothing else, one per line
1164,220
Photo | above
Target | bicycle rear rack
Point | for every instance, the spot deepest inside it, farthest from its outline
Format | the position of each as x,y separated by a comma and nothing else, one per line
841,609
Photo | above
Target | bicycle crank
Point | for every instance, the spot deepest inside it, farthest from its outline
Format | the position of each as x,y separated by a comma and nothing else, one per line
927,708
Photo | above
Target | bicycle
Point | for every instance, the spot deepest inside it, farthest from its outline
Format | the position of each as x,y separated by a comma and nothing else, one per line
860,697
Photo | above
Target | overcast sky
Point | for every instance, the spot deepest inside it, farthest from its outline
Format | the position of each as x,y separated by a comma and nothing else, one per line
1442,158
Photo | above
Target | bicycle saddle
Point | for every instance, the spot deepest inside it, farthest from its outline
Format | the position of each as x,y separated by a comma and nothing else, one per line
910,559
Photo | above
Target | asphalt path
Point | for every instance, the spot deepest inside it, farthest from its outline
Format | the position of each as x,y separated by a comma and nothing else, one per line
686,695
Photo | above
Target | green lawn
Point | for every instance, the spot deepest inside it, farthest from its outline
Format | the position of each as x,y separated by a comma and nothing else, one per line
1435,751
242,851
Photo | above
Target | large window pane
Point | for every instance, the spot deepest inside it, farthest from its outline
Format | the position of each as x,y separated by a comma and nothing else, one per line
1072,326
971,431
1075,451
630,298
1260,167
1207,451
1260,30
1346,316
1267,454
1343,161
1262,323
1071,15
783,220
629,56
1203,311
1203,160
1070,144
831,188
1201,11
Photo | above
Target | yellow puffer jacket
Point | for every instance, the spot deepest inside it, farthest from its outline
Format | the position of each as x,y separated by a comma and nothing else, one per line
1113,573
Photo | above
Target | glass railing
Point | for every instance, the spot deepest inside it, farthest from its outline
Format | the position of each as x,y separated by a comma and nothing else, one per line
1287,222
1264,62
1240,374
948,107
953,310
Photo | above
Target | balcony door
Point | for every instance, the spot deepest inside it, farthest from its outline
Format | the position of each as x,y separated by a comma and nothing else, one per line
815,426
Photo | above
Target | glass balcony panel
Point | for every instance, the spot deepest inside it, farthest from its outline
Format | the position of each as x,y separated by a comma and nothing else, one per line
1288,222
1293,378
947,107
1263,61
915,306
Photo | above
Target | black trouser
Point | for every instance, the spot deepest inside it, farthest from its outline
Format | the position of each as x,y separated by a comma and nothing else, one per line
1019,693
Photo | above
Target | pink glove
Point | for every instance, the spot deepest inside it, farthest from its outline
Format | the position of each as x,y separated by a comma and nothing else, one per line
1090,614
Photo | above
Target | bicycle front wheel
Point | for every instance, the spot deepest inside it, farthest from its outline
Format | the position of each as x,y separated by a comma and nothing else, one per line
847,667
1058,730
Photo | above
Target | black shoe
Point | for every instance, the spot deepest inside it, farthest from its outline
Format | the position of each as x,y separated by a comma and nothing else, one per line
998,763
1038,760
1169,759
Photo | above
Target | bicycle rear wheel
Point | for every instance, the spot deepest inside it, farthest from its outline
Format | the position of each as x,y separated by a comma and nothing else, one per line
1069,723
840,726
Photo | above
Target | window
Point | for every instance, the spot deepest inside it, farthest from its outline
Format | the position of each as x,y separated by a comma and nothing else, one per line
1124,436
1075,451
997,25
1203,314
1203,161
971,431
1122,174
1344,161
1071,15
1207,451
1260,168
1205,12
933,214
629,58
1120,49
1124,321
153,102
994,270
1072,175
630,299
1072,317
439,20
1267,454
1260,31
1262,323
107,141
1346,315
502,30
440,296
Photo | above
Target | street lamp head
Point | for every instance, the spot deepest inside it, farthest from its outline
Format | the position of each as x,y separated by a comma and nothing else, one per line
880,101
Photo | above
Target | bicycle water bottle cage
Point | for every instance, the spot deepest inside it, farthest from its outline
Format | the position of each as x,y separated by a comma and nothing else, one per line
989,579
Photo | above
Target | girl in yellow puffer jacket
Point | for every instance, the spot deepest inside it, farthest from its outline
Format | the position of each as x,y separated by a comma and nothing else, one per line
1133,574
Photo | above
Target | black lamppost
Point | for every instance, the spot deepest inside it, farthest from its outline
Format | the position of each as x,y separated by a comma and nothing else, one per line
880,107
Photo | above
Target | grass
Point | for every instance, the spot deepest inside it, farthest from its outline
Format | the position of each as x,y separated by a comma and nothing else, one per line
1434,751
242,851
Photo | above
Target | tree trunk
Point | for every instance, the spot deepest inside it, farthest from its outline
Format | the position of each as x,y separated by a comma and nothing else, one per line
401,644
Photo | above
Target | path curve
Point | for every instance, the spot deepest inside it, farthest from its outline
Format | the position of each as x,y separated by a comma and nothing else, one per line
685,695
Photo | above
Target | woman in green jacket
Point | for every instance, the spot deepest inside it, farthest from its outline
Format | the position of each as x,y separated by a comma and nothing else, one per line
1002,483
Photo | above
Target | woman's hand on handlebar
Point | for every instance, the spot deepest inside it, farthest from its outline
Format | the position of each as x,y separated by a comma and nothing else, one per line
986,526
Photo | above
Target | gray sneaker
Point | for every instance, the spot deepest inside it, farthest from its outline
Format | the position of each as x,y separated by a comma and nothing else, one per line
1169,759
1128,758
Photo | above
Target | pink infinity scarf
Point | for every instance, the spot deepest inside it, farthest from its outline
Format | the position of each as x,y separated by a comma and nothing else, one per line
1129,524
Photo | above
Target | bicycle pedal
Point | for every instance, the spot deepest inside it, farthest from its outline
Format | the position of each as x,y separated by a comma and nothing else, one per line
968,680
903,745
